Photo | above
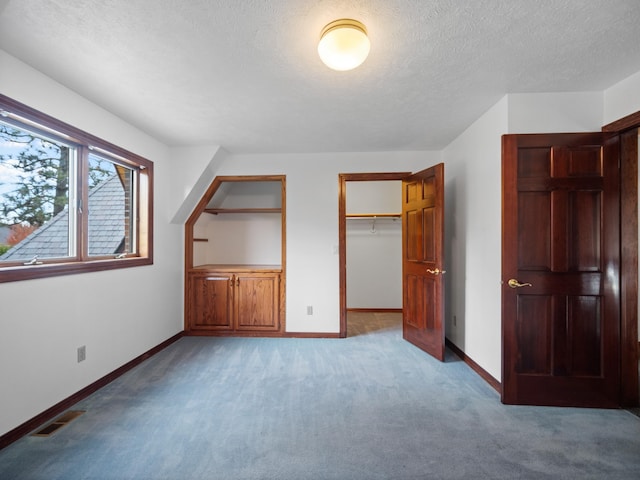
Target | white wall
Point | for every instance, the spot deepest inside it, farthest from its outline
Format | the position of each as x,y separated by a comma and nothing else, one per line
117,314
238,238
555,112
374,263
312,222
191,181
622,99
473,238
374,246
381,196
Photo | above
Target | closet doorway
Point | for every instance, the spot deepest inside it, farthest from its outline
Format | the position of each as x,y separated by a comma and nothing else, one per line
370,243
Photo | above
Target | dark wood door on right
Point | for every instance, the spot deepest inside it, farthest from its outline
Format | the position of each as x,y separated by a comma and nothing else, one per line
560,265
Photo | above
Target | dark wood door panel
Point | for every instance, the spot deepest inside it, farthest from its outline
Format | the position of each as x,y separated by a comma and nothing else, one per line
413,242
534,334
580,243
563,230
534,390
422,266
534,162
577,161
429,236
584,329
559,335
561,242
534,214
414,300
423,325
412,191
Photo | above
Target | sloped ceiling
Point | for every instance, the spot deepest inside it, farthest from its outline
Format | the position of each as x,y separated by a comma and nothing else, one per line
244,74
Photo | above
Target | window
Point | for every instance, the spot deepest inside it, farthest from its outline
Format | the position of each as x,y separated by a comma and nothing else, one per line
69,202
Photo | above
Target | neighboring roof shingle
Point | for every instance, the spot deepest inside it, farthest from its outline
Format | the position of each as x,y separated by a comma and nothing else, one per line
106,227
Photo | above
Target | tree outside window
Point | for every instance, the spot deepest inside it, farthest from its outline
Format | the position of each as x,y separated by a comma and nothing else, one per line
69,202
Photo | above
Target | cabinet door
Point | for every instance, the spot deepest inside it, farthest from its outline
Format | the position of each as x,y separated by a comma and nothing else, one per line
257,301
211,301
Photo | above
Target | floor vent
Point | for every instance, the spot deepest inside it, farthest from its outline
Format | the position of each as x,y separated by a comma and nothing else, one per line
58,423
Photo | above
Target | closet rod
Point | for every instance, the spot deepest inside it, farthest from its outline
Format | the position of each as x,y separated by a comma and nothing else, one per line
373,215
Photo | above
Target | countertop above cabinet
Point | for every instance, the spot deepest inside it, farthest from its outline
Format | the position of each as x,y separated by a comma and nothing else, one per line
240,268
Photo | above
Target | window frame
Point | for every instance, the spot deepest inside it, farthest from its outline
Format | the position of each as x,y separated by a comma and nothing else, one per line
86,143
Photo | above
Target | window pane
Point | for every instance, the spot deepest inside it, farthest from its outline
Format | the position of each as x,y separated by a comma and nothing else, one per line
34,196
110,208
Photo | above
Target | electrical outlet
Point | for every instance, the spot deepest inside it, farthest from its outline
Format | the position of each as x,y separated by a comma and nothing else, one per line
309,310
82,353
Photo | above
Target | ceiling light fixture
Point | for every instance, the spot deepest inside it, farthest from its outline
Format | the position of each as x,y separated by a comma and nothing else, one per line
344,44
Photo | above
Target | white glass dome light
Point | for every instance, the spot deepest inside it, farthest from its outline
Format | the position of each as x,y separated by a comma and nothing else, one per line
344,44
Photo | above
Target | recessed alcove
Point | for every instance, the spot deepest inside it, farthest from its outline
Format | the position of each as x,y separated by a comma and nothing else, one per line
235,256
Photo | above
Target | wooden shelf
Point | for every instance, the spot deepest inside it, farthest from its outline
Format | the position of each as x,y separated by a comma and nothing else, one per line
200,239
216,211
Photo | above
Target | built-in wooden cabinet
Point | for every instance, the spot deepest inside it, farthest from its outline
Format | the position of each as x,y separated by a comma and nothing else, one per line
235,275
234,298
210,299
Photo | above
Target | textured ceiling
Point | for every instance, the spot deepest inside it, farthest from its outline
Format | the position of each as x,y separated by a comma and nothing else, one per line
244,74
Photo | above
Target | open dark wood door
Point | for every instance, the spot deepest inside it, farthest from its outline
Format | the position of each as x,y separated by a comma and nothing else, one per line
560,266
422,260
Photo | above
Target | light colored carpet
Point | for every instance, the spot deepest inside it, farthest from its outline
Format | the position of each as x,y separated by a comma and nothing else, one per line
370,406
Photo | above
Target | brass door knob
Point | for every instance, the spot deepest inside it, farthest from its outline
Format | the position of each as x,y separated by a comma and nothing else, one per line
513,283
437,271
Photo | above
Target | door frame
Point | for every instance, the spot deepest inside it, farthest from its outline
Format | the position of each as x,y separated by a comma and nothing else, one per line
628,128
343,178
